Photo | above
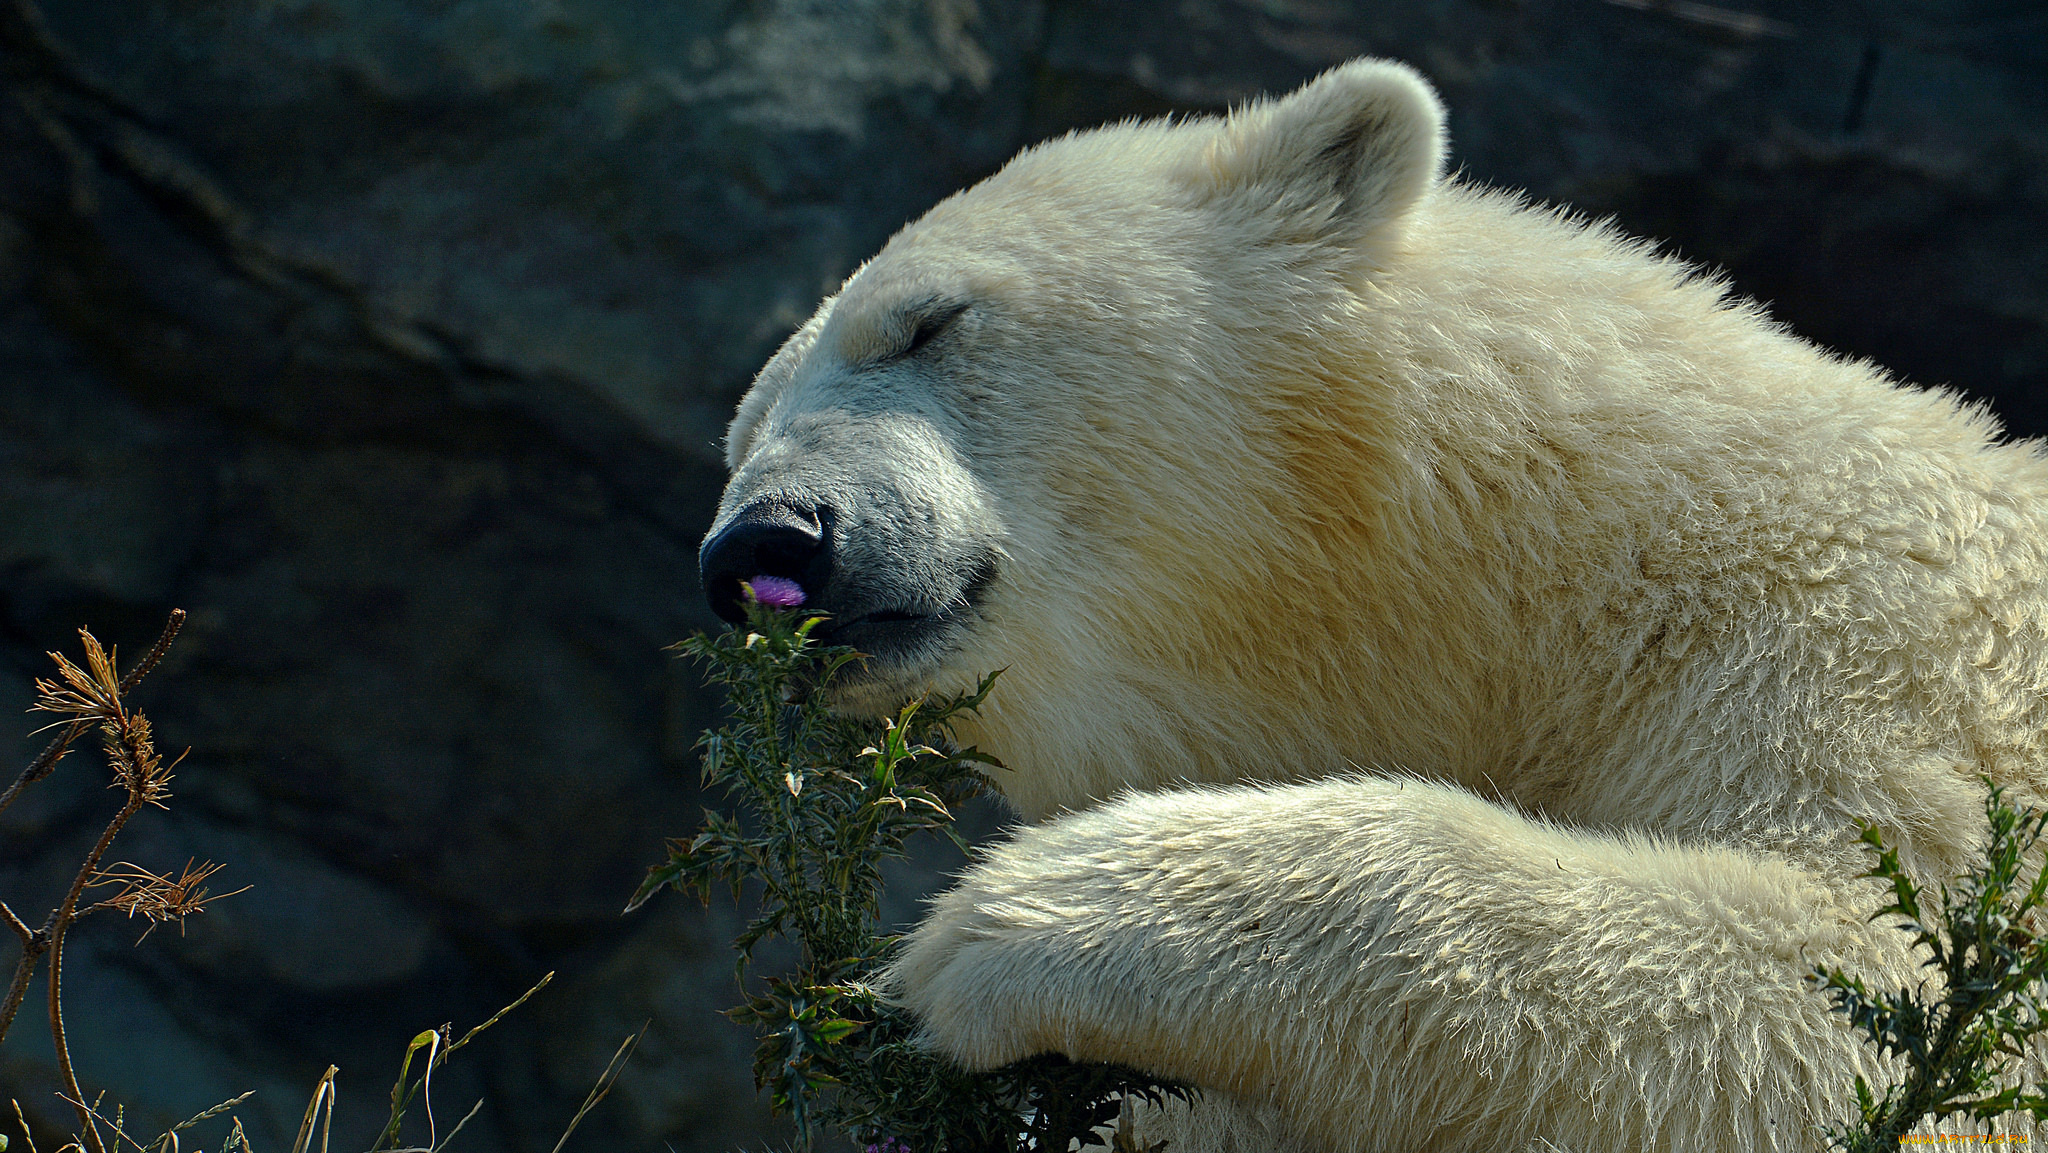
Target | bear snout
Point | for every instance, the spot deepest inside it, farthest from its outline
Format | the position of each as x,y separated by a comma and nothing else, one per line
767,539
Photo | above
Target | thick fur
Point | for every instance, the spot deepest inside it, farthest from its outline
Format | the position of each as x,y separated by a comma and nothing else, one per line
1448,645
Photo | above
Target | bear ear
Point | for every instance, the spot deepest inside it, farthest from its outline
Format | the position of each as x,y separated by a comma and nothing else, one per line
1347,155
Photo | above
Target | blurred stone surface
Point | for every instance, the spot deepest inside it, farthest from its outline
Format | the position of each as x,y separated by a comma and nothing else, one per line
393,338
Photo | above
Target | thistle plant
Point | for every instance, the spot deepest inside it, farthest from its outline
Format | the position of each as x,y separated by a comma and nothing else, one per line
821,801
1957,1036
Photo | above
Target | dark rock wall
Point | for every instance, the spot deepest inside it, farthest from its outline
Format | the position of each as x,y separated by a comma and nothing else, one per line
393,338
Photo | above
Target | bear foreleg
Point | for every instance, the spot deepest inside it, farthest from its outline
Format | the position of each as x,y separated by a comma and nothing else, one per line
1400,965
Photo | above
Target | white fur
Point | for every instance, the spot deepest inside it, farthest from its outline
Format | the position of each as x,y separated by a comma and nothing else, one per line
1448,644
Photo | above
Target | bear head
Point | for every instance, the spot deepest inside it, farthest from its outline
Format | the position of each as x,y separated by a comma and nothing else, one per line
1089,422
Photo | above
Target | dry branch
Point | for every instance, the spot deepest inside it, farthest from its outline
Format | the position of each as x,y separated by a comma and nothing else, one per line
95,695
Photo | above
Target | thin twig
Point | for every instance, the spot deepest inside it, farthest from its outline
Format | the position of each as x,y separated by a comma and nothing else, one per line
458,1126
212,1111
26,1136
19,926
427,1082
60,920
605,1081
111,1123
499,1015
32,950
156,652
44,762
323,1093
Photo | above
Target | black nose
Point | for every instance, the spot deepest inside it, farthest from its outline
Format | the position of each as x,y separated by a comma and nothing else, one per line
770,539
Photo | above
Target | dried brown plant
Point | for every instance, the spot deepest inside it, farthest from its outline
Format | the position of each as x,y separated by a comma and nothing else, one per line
92,695
158,897
95,695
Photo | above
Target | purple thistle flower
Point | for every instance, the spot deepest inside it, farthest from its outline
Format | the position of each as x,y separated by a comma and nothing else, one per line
888,1145
779,593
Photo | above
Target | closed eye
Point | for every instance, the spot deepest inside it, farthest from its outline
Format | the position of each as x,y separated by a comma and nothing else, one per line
927,321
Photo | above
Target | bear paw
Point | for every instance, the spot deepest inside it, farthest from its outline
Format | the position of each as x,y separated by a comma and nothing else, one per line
971,975
1037,950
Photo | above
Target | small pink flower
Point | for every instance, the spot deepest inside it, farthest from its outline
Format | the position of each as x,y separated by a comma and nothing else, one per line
777,592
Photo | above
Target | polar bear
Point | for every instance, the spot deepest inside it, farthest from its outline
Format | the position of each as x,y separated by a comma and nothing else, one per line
1449,645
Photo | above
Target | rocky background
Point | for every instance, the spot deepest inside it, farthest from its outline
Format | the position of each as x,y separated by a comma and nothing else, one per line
393,338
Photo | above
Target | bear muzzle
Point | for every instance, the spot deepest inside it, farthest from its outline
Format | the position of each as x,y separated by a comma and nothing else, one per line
906,603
